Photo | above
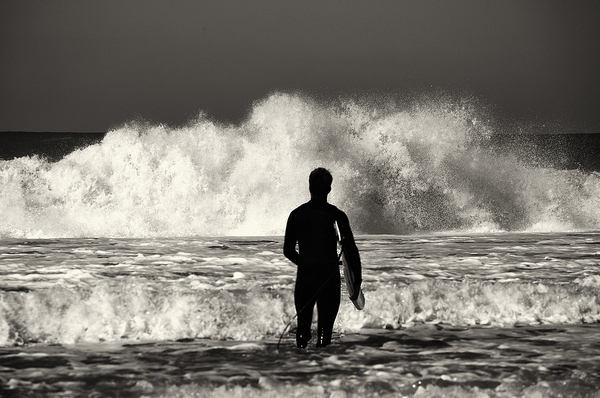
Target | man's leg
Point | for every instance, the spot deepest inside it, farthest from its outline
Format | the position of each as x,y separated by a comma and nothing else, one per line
328,305
304,309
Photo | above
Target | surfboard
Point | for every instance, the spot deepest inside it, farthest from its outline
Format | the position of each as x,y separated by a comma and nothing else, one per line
359,303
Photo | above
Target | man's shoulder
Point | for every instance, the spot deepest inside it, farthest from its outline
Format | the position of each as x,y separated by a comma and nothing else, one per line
335,209
298,211
340,215
308,206
300,208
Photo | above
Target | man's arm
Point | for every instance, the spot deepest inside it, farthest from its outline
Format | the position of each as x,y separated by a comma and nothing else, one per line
289,242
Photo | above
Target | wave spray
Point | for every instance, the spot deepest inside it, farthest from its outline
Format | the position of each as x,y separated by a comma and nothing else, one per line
423,167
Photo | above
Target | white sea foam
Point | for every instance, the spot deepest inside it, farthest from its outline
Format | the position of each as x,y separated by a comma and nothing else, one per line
503,314
143,310
396,169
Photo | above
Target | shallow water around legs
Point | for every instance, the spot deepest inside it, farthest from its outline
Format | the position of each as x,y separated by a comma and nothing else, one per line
497,315
428,360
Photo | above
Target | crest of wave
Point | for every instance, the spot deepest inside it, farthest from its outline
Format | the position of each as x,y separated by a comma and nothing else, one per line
425,166
433,167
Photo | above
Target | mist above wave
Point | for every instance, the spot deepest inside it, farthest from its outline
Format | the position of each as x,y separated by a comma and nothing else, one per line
424,166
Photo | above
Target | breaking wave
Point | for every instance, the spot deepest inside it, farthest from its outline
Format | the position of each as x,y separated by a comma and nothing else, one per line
140,310
397,169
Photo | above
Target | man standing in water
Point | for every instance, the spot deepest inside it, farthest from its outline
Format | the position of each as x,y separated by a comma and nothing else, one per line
311,226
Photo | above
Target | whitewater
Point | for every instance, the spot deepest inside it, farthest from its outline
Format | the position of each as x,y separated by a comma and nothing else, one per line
422,168
150,263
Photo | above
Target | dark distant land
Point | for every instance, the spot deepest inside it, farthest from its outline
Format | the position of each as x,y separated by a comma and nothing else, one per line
561,151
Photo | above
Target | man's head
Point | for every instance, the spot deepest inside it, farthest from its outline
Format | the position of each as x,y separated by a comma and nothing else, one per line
319,182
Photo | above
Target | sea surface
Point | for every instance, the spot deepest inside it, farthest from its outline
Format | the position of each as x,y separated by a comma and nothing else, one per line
500,315
147,261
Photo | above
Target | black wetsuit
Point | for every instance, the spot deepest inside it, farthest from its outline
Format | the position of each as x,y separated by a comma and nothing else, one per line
318,278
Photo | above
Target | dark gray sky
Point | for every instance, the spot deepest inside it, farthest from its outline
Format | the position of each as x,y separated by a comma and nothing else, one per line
87,65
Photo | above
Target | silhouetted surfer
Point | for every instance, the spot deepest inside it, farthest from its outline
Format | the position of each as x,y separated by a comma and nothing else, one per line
311,226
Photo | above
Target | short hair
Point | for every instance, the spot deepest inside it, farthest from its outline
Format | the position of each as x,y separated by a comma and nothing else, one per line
319,181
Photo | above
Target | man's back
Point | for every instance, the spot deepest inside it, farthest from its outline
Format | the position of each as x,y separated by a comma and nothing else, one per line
312,226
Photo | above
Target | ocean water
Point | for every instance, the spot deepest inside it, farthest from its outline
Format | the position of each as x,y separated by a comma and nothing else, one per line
502,315
149,263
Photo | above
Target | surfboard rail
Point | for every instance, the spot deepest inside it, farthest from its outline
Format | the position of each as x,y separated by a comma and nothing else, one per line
358,299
